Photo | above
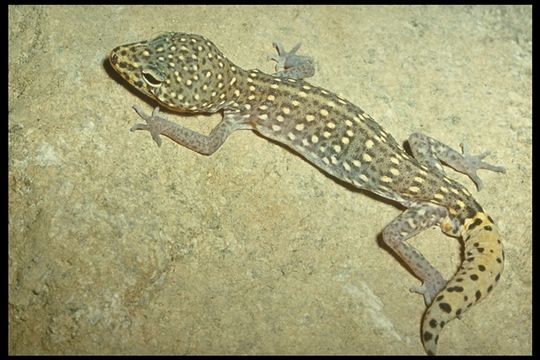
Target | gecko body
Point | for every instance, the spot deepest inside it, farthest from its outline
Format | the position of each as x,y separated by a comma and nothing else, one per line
188,73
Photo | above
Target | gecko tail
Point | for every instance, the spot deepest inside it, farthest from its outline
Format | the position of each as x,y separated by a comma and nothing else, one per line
478,274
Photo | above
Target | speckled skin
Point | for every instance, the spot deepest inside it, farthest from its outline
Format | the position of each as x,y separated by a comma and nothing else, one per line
188,73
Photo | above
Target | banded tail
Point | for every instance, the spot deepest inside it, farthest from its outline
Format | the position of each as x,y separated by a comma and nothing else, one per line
478,274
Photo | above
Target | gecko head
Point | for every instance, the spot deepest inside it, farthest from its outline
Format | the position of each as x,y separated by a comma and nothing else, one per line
181,71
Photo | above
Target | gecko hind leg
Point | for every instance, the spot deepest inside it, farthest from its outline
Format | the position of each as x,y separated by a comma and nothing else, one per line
431,152
411,222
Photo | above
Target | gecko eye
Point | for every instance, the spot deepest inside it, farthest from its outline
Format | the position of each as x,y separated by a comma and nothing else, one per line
152,77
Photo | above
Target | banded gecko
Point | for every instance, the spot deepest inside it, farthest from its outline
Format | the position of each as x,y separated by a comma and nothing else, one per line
187,73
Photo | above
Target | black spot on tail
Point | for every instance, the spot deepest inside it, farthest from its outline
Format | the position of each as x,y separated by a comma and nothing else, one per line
481,268
478,295
433,323
445,307
427,336
474,224
474,277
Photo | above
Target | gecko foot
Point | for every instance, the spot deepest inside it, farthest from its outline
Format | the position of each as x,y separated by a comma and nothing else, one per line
288,64
429,289
472,163
153,123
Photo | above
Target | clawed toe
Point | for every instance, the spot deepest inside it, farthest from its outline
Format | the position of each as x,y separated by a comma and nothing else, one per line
474,163
139,127
151,125
430,289
289,64
424,291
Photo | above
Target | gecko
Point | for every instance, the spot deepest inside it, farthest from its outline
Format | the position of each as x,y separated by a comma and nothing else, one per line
188,74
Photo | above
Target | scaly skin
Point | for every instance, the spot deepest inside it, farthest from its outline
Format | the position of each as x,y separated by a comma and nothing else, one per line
476,277
188,73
